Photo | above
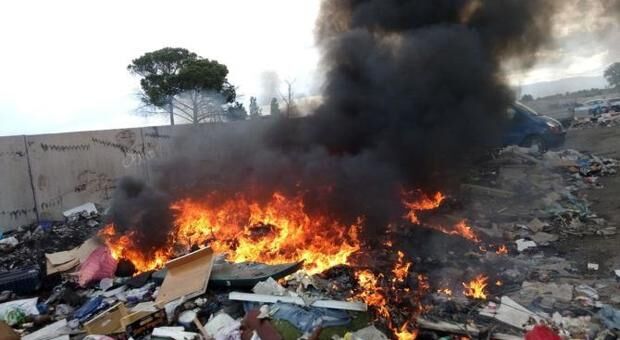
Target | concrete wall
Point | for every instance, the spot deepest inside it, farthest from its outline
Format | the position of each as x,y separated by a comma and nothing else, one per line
43,175
17,205
73,168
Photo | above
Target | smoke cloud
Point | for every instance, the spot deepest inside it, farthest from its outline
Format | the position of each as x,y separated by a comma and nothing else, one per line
412,90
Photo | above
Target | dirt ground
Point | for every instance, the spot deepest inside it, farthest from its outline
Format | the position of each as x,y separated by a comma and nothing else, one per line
605,201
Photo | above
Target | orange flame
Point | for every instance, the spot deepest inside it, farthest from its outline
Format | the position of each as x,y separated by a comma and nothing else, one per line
401,268
279,231
461,229
502,250
465,231
372,292
425,203
404,334
375,292
422,204
476,287
445,291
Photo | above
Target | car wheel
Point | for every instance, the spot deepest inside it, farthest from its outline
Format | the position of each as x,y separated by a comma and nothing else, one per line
535,141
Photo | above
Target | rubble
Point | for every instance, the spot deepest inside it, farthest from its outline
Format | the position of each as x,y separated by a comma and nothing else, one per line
607,120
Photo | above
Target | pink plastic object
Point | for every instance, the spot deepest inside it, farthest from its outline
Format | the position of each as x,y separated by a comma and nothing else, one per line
99,265
541,332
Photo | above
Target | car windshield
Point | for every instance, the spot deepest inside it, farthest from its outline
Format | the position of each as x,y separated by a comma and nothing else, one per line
526,109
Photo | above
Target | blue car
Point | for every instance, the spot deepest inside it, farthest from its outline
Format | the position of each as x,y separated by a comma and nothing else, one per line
528,128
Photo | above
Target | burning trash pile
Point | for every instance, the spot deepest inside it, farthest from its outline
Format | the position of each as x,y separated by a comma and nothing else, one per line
237,269
351,222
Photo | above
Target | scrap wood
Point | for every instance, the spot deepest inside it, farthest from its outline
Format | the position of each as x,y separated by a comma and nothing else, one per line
455,328
187,276
140,311
201,328
107,322
6,332
331,304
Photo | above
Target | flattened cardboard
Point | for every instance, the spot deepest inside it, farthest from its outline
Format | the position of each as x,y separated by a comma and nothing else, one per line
65,260
108,322
7,333
187,276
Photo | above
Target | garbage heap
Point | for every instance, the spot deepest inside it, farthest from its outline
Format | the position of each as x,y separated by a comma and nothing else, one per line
503,278
610,119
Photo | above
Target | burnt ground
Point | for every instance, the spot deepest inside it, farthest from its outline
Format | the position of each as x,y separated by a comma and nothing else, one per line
605,201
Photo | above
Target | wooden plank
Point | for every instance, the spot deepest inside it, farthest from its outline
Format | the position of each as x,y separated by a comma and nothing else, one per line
108,322
187,276
331,304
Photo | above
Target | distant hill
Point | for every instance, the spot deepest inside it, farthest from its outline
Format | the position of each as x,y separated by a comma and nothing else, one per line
548,88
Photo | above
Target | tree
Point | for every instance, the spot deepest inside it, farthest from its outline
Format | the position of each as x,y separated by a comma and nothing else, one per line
527,98
275,107
183,84
255,110
236,112
612,74
289,100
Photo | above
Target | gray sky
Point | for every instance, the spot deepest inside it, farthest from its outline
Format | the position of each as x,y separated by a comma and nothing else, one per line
64,61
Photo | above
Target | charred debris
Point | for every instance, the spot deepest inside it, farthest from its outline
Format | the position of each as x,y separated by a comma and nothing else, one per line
500,276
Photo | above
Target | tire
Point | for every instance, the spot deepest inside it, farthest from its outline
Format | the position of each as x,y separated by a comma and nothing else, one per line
535,140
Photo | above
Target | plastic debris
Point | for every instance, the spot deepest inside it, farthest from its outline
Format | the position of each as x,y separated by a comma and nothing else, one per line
523,244
542,332
99,265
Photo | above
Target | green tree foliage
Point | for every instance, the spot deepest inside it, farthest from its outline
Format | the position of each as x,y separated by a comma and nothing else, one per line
275,107
185,85
612,74
255,110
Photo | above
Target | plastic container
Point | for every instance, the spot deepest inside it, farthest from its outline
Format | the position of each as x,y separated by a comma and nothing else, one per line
20,281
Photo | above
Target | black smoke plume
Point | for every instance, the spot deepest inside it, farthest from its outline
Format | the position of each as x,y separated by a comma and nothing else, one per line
413,89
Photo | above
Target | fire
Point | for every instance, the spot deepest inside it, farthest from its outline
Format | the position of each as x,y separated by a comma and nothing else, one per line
476,287
461,229
404,334
401,268
379,294
278,231
465,231
502,250
422,204
425,203
371,292
445,291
